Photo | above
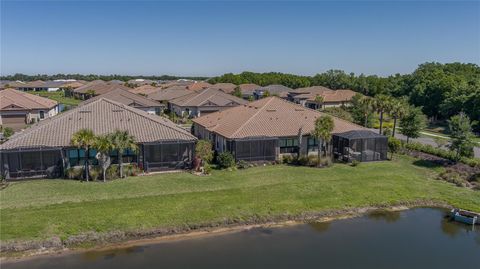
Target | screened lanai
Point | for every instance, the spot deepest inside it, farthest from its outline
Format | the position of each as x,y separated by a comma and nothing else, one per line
253,149
31,163
360,145
168,155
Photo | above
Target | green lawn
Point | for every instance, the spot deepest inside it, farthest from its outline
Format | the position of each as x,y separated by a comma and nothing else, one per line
44,208
59,97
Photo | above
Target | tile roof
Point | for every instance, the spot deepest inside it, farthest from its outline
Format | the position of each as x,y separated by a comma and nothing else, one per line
199,85
248,88
275,89
224,87
127,98
99,87
11,99
169,93
210,97
145,89
329,95
101,116
267,117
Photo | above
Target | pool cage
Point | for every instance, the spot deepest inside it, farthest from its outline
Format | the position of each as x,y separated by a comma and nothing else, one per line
31,163
168,155
253,149
360,145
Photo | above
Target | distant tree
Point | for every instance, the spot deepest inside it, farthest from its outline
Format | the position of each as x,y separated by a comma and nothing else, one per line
398,109
104,145
250,98
339,112
237,92
366,106
323,132
123,141
382,104
413,122
266,94
319,100
462,137
84,139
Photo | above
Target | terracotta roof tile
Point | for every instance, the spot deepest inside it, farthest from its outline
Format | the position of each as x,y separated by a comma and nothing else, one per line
11,99
211,96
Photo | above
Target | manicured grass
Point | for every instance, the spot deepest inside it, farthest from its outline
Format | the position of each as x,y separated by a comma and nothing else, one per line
59,97
44,208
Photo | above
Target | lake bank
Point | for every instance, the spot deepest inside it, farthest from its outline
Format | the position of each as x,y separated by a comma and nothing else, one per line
376,239
20,251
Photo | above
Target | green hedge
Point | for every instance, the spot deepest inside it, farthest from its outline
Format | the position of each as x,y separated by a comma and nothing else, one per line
450,155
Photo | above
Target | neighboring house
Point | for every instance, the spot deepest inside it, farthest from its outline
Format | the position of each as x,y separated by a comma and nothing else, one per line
145,90
248,89
267,129
140,82
39,85
200,85
271,90
168,94
307,97
44,150
96,87
202,102
224,87
130,99
17,108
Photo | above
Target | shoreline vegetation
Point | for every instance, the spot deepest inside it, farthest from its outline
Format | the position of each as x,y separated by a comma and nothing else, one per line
47,216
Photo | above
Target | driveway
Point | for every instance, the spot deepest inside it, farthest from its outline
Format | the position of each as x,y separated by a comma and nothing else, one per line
428,141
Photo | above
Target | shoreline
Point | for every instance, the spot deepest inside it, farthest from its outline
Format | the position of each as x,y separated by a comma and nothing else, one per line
95,242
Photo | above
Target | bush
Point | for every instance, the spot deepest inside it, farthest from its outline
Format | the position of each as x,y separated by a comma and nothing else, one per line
225,160
95,172
446,154
355,163
207,169
112,172
287,159
131,170
453,177
203,150
312,160
243,164
74,173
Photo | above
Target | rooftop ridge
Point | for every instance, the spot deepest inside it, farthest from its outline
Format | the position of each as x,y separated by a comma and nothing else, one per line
253,116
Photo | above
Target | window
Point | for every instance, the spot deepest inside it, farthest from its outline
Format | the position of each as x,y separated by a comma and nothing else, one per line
288,145
42,114
312,144
77,157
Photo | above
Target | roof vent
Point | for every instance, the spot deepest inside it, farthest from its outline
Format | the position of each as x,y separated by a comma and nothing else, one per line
298,109
85,111
271,110
117,110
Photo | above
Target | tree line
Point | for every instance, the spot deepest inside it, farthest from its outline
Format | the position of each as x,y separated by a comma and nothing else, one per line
91,77
441,90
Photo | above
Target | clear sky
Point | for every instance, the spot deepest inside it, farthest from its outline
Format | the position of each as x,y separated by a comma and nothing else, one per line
215,37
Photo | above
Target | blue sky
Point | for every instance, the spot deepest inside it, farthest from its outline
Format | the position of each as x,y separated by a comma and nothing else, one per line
212,38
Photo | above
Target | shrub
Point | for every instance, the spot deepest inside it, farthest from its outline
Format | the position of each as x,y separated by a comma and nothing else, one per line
387,131
225,160
446,154
312,160
394,145
287,159
95,172
243,164
131,170
203,150
112,172
355,163
74,173
453,177
207,169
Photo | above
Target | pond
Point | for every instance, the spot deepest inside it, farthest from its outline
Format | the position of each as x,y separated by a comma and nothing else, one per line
417,238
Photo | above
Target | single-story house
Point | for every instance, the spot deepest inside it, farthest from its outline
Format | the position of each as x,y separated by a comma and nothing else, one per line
199,85
203,101
267,129
17,108
330,98
96,87
44,150
130,99
145,89
248,90
271,90
168,94
224,87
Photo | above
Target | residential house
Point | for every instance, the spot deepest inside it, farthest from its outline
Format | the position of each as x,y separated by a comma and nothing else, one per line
271,90
96,87
145,90
267,129
130,99
44,150
203,101
309,97
168,94
17,108
248,89
224,87
199,85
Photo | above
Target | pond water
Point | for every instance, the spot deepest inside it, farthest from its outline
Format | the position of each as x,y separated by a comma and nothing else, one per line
417,238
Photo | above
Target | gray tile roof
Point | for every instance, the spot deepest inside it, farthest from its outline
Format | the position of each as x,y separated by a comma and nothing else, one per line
101,116
127,98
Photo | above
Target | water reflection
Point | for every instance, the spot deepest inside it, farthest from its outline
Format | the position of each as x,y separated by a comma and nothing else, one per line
386,215
111,253
320,226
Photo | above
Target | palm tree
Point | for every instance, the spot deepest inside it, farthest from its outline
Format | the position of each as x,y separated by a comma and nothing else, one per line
381,104
398,109
84,139
319,100
367,106
104,145
122,141
323,132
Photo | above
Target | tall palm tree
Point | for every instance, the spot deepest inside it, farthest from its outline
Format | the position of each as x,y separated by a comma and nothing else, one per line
84,139
382,104
398,109
323,132
122,141
319,100
367,107
104,145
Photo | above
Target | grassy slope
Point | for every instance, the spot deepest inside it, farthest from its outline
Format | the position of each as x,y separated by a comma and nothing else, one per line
40,209
59,97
